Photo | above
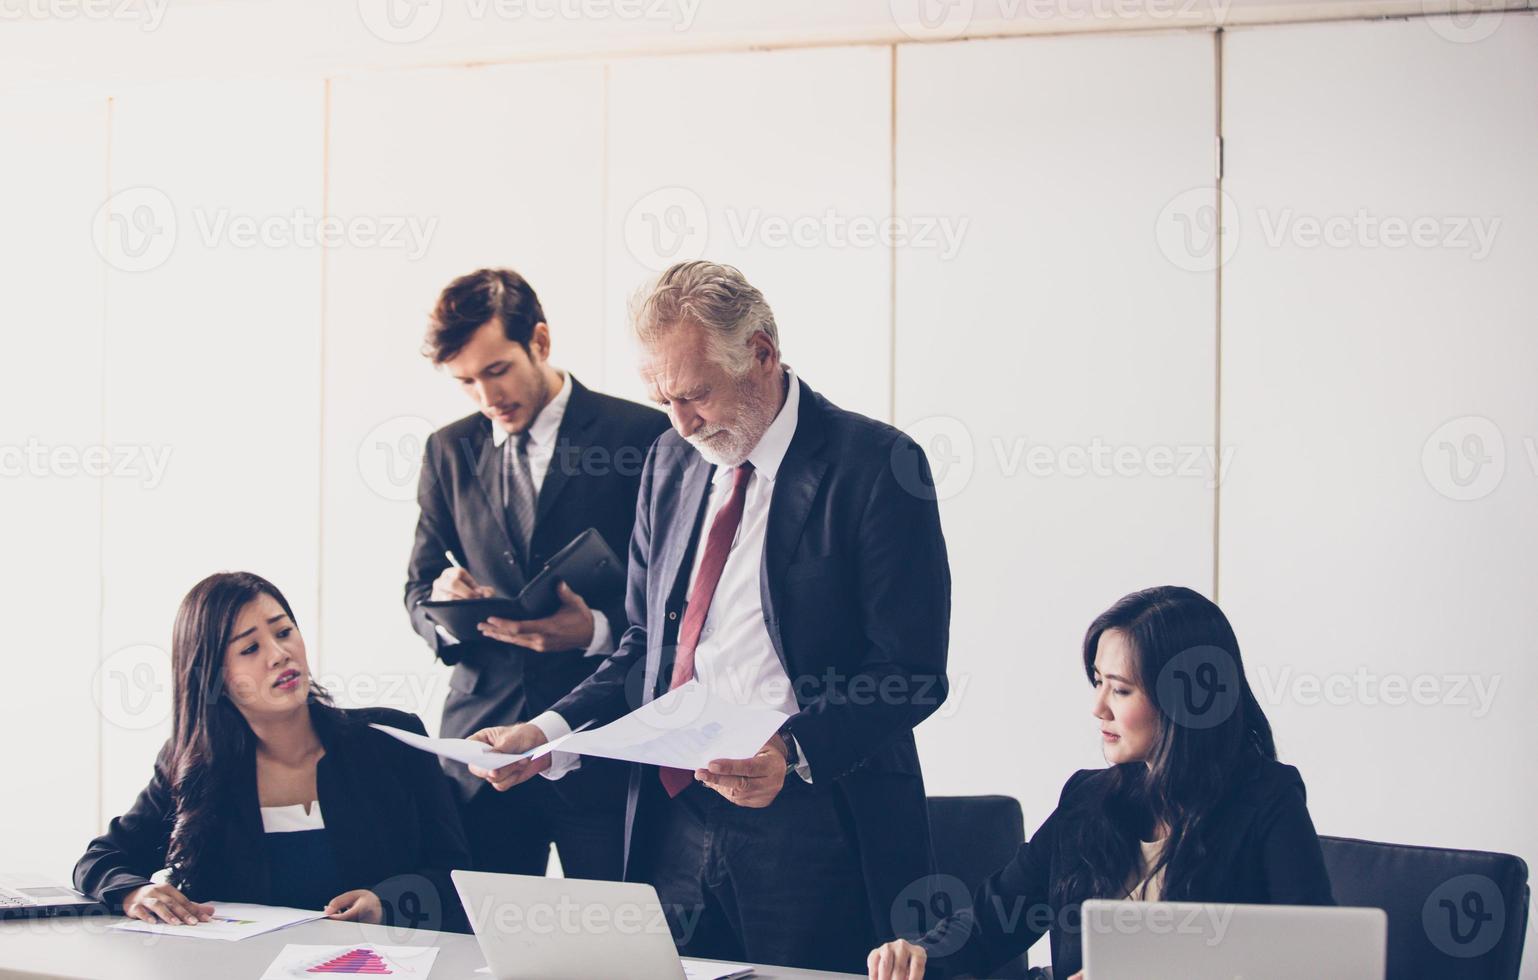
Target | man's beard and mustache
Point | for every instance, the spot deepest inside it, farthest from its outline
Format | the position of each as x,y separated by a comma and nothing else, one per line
728,444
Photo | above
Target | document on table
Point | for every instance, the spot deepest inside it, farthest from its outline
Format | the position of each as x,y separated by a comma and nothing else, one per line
464,750
686,728
231,922
297,961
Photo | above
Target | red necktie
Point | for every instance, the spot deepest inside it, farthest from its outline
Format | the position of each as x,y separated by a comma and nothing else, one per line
718,544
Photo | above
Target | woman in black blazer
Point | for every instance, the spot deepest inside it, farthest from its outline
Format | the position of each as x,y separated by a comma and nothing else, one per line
1194,806
267,793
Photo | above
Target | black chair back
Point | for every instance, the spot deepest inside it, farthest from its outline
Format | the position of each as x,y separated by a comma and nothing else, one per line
1452,915
974,836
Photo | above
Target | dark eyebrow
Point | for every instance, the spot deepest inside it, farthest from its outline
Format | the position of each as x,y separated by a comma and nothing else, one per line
248,632
1114,677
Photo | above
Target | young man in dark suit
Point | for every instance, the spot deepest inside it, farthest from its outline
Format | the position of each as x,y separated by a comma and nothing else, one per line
542,459
786,553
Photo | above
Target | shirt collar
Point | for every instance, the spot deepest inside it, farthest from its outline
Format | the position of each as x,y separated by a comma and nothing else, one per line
767,456
546,424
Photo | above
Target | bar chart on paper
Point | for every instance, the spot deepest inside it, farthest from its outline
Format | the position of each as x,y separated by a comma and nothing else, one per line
359,961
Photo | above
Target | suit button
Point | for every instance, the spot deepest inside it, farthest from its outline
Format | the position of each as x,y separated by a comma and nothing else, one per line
672,615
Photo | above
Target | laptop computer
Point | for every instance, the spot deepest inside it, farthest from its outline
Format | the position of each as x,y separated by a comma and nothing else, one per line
566,928
24,896
1198,941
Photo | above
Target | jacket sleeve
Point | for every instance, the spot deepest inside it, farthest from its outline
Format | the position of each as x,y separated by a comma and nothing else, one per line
1009,911
443,847
135,844
903,593
435,535
1291,859
602,697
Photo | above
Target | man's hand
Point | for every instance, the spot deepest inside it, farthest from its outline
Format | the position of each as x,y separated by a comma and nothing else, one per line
751,782
511,739
568,628
456,583
358,905
896,960
162,903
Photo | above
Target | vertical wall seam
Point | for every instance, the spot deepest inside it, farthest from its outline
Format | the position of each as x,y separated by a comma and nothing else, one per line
892,216
1217,290
101,501
320,399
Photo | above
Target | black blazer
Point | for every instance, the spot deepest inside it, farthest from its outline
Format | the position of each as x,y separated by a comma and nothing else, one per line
856,596
1263,852
390,819
591,482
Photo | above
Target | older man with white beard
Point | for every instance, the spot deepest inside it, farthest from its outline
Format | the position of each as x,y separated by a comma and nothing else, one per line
786,553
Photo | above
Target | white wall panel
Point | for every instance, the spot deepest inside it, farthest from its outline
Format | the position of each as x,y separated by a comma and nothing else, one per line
1058,333
212,357
777,163
1379,531
53,175
493,167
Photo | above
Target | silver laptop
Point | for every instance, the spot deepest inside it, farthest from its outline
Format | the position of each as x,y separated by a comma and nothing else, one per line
24,896
1192,941
566,928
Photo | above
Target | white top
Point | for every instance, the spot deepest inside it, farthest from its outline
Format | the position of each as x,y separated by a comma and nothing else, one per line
291,818
542,438
735,657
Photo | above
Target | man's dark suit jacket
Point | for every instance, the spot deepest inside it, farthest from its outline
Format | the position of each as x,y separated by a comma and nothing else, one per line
1262,850
591,482
856,597
390,819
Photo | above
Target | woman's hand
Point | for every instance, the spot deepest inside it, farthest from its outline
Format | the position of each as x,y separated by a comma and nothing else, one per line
897,960
162,903
358,905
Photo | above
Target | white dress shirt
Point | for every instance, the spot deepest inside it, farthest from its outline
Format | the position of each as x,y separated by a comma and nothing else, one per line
735,658
542,438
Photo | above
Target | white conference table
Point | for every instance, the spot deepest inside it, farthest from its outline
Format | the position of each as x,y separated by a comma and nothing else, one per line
67,947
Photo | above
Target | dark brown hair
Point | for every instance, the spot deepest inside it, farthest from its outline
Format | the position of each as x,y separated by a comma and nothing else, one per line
469,302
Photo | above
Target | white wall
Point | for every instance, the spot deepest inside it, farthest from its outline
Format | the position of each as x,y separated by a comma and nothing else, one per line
1052,299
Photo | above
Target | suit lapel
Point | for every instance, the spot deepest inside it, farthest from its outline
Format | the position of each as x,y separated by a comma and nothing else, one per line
568,447
795,490
693,486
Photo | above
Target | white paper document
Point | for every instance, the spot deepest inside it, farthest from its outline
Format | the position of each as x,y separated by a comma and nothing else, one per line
459,749
231,921
686,728
715,970
363,959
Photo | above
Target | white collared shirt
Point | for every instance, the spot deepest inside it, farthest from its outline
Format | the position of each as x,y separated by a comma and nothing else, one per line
542,439
735,657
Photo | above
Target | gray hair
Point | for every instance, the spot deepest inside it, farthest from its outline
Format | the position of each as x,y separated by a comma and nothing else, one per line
718,298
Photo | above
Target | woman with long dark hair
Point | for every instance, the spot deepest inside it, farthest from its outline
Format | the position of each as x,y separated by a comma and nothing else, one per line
1193,807
267,793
